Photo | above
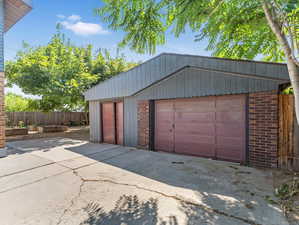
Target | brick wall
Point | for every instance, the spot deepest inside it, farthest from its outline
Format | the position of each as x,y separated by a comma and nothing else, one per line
143,124
263,129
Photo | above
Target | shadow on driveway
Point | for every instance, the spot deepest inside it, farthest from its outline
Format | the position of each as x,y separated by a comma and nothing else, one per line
208,192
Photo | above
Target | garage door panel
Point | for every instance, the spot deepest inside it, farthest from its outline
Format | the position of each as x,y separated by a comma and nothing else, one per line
164,106
230,141
229,117
228,153
164,143
230,130
230,103
197,139
191,117
183,129
206,104
164,135
193,148
165,117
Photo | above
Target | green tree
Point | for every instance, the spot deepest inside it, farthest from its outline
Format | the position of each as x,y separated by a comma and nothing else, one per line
233,28
18,103
60,72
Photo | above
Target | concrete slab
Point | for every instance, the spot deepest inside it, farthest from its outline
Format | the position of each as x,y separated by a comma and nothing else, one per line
88,183
28,177
104,154
9,166
43,144
41,203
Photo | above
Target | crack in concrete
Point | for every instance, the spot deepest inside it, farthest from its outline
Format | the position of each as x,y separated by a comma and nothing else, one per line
83,181
176,198
73,201
54,175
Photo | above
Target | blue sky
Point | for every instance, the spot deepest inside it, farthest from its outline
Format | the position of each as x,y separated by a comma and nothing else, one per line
82,27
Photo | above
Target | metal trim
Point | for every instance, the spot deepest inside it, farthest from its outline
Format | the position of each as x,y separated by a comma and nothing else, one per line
247,129
101,124
152,118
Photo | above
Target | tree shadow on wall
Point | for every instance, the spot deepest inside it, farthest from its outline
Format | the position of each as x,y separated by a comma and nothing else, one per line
128,210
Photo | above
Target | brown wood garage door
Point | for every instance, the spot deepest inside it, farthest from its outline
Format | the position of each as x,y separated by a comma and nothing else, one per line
108,121
112,120
208,126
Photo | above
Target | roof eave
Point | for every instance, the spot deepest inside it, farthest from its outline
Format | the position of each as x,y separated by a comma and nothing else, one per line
15,10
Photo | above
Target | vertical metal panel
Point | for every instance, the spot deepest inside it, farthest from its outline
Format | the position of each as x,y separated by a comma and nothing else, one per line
196,83
130,121
95,121
152,120
119,123
1,35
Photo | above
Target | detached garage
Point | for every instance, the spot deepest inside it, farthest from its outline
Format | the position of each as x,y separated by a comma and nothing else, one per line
203,106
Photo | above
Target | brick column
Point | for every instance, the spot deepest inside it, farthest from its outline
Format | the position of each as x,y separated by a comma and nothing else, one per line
143,124
263,129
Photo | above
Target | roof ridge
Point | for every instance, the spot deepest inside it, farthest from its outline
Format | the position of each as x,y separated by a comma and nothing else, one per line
229,59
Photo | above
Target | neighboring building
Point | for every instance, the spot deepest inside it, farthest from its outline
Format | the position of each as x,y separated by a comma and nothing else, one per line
11,11
203,106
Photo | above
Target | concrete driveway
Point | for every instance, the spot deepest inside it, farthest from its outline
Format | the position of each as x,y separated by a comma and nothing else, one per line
65,181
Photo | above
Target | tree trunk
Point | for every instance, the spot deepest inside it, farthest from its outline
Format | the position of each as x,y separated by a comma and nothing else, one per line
293,69
294,77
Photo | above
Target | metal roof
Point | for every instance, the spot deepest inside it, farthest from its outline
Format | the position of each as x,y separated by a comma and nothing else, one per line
164,65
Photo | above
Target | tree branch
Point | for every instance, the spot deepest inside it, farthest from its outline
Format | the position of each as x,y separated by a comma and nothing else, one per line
274,25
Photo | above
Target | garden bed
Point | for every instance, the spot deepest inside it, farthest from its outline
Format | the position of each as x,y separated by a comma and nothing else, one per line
16,131
52,129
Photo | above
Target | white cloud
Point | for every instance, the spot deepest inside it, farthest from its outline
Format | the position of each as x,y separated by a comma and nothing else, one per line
74,18
60,16
84,29
74,23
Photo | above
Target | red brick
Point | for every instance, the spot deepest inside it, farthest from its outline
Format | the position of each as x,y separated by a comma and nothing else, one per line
263,129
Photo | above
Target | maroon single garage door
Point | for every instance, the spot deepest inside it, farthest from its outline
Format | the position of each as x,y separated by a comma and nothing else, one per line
211,127
113,122
108,121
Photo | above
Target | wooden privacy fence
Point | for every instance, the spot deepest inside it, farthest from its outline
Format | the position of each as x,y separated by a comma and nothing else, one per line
288,153
51,118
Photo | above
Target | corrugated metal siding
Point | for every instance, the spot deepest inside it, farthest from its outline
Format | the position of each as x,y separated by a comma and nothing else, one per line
195,83
142,76
190,83
95,121
130,121
1,35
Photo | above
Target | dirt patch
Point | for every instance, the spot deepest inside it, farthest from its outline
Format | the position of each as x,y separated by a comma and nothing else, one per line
77,133
286,186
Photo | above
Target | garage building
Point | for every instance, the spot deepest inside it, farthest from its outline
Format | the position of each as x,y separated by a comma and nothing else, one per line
204,106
